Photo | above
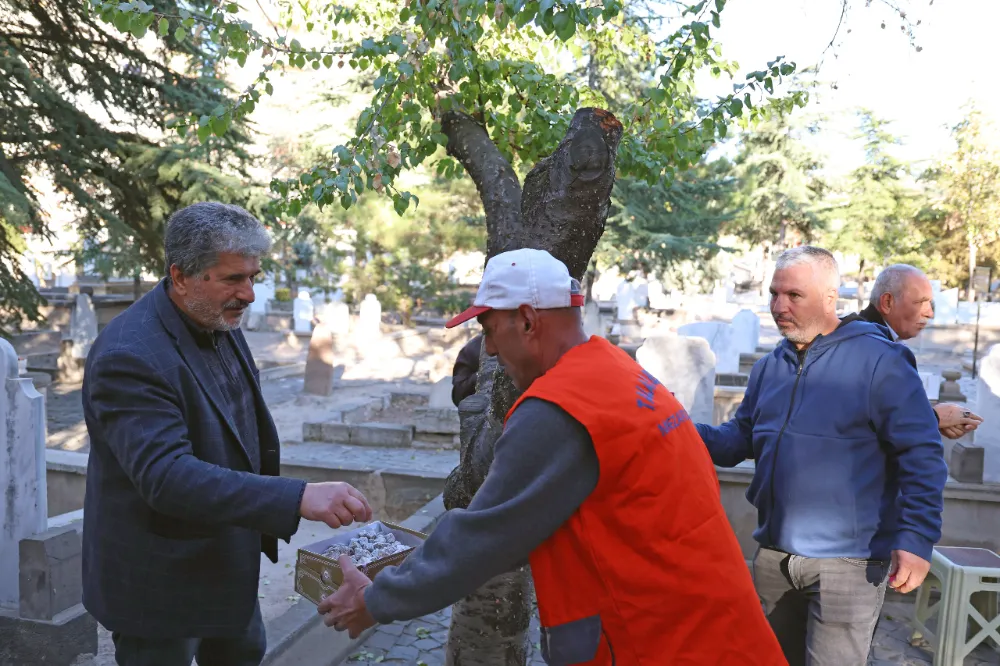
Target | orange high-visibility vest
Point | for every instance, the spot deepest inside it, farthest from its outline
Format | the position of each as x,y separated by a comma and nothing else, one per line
650,551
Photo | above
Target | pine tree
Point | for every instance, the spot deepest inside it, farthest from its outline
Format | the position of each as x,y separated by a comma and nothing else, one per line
86,110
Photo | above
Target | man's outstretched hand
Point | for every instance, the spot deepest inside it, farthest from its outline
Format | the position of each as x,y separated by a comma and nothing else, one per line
334,503
345,609
907,571
955,420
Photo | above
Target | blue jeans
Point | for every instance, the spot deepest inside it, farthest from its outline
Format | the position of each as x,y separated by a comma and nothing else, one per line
823,610
247,649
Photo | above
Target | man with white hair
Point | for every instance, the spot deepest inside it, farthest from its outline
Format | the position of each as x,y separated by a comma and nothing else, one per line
903,301
849,474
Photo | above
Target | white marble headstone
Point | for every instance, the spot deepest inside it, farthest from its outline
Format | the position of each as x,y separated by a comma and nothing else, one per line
336,316
592,319
720,339
746,332
23,502
988,407
685,366
83,326
263,292
302,311
932,384
370,318
440,397
630,296
946,307
658,298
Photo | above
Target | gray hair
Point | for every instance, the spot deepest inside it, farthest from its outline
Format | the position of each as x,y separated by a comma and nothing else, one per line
197,234
891,281
816,256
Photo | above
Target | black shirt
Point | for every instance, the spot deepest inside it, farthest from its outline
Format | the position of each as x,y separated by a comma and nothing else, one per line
218,350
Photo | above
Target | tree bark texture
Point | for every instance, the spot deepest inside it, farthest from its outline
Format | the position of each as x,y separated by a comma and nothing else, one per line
562,208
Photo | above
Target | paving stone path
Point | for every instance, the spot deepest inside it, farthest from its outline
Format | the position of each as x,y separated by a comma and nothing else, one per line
421,643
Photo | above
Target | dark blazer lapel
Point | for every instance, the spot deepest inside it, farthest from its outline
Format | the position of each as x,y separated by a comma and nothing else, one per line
871,314
189,352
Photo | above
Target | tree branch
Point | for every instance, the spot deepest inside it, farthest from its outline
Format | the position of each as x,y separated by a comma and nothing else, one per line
568,194
493,175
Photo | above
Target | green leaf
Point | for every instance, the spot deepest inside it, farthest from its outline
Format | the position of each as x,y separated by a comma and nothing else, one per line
346,201
658,95
232,8
242,59
405,68
218,110
719,5
565,25
786,69
328,60
715,20
769,85
722,130
736,107
404,15
204,132
440,139
399,204
163,27
204,120
180,33
268,88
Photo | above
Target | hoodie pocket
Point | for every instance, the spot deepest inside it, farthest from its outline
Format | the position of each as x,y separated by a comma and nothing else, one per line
574,642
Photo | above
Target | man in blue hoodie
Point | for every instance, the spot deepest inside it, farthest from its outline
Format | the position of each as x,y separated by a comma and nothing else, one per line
850,470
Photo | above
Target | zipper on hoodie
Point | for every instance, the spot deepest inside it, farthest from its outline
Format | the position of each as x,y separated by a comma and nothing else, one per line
777,443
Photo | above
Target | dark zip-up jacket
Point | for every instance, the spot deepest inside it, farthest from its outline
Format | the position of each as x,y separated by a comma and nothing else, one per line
849,461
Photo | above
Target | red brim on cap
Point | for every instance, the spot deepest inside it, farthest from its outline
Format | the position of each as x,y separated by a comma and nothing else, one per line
471,313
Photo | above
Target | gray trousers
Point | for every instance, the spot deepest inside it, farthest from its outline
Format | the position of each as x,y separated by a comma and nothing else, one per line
823,610
246,649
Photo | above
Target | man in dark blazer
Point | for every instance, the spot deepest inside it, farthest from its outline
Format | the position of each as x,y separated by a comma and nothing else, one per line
183,486
902,301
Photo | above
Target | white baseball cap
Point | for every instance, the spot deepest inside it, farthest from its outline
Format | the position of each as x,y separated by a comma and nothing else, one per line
523,277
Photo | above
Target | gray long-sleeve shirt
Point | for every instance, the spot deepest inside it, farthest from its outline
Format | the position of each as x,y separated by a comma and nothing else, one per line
544,467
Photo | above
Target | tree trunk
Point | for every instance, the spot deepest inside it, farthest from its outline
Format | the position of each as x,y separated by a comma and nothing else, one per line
861,285
973,251
562,208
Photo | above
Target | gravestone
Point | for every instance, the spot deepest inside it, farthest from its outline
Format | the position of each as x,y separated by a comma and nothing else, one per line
720,338
629,297
83,326
321,372
658,298
441,394
988,407
746,332
685,366
932,384
256,314
370,319
592,319
337,317
302,313
946,307
23,502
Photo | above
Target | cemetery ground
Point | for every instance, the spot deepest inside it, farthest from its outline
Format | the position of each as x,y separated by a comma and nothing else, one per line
389,393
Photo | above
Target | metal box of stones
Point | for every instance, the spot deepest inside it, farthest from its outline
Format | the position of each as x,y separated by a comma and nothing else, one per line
372,548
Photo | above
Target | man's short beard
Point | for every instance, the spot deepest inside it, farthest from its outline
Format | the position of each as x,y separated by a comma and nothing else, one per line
208,316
